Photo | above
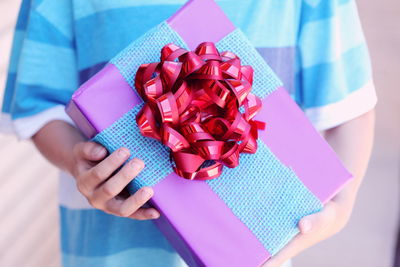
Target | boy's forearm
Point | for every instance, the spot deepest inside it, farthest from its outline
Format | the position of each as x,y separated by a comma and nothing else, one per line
353,142
56,141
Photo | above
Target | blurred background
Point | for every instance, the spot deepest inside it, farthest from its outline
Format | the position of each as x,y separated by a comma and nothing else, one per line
28,188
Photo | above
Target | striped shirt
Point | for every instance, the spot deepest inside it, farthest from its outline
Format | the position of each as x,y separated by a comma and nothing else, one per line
316,47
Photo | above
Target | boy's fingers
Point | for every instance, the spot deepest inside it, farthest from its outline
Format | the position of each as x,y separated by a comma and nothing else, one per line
318,221
127,207
310,232
104,169
113,186
90,151
136,201
145,214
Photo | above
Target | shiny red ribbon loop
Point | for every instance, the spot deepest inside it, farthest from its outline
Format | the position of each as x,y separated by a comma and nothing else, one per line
192,107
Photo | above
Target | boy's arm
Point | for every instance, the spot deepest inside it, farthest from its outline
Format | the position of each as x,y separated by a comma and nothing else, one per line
94,171
352,141
59,153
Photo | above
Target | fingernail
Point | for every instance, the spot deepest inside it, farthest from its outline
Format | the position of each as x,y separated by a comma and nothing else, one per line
122,153
137,164
99,151
306,226
146,192
154,215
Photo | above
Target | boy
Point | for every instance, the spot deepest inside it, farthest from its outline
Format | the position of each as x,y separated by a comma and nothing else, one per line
315,46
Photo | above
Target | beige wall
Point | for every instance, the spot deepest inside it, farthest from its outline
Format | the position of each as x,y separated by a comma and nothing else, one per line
28,197
28,206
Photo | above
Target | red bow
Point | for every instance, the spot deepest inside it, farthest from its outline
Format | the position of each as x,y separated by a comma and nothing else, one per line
192,106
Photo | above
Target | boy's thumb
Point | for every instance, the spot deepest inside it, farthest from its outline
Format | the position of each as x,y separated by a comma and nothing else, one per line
318,220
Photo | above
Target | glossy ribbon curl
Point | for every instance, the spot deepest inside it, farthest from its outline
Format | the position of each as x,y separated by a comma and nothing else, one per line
192,101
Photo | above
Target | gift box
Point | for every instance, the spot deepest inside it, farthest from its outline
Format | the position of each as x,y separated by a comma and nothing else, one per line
248,213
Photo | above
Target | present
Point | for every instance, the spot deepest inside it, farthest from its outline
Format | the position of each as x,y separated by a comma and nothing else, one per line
262,181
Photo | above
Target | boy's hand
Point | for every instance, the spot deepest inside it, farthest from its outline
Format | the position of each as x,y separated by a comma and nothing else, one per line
316,227
97,180
352,141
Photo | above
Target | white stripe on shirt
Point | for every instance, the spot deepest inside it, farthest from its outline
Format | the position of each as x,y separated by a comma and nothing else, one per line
355,104
28,126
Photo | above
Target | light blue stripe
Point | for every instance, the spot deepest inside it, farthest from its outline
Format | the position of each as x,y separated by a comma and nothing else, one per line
93,233
313,10
331,82
59,13
265,23
87,8
251,19
323,41
312,3
130,257
119,28
31,99
47,65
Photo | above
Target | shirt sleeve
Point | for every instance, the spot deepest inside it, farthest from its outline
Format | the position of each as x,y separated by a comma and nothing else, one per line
334,78
42,72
